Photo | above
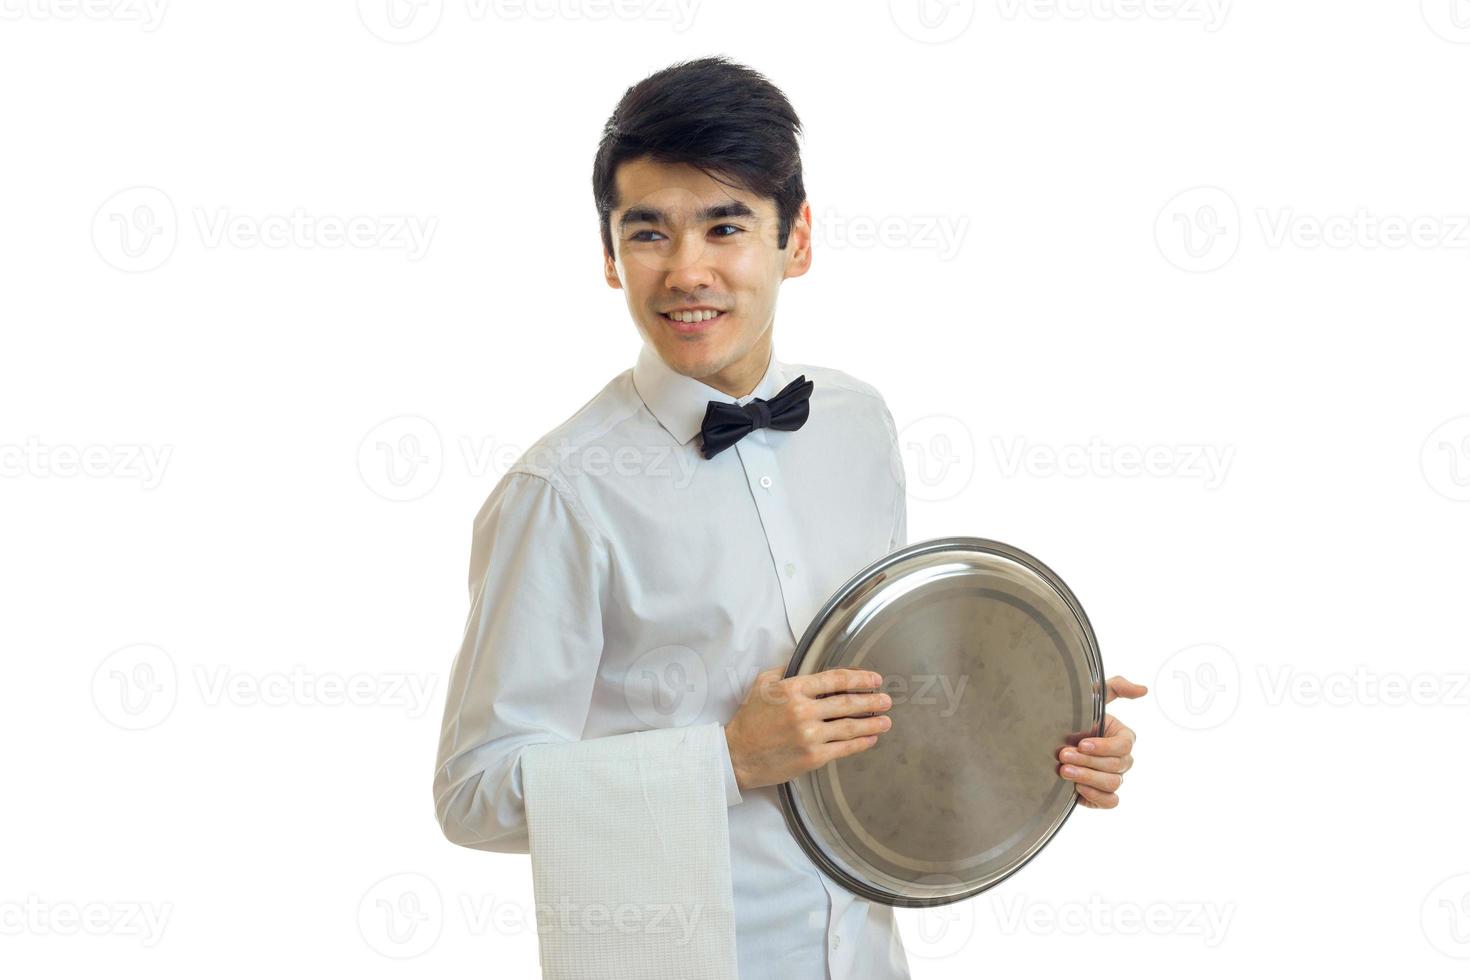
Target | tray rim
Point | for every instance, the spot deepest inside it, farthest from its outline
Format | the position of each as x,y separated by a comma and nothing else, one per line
860,580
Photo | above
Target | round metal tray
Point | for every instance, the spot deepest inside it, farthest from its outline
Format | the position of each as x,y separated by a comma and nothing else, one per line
992,667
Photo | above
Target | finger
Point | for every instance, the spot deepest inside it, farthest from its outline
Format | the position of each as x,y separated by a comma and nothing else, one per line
1097,798
849,728
851,746
1121,687
837,679
1118,742
843,705
1102,763
1108,782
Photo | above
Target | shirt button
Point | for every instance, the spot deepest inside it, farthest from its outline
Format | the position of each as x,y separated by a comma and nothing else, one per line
790,569
766,482
836,941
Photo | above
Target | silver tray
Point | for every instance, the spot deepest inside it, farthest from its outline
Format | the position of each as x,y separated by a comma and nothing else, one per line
992,667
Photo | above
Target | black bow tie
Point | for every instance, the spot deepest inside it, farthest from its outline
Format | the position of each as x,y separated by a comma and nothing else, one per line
726,423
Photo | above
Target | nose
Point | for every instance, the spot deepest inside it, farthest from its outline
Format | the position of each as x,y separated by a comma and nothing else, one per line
689,271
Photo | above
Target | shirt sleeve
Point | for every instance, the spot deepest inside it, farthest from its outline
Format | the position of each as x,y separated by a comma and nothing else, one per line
898,538
528,663
732,785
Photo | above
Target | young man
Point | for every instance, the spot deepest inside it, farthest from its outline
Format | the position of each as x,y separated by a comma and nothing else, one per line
651,563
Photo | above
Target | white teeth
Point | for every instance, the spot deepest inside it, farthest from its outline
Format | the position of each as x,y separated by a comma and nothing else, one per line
692,316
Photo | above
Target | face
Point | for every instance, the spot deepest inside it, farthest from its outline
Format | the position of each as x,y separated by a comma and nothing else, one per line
683,239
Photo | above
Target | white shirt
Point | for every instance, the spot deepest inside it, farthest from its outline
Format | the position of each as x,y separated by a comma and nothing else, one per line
621,582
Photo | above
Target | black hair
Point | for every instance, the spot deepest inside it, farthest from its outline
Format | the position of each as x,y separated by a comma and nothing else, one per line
723,118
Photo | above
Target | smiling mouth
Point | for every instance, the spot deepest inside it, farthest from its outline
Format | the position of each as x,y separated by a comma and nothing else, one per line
691,324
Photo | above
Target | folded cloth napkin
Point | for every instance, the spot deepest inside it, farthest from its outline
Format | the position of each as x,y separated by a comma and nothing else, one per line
630,856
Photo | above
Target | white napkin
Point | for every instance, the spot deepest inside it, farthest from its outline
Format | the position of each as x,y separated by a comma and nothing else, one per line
630,856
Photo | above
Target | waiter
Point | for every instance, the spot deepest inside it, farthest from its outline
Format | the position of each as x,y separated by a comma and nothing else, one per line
651,562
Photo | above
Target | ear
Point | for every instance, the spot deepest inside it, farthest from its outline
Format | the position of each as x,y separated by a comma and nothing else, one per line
610,270
799,246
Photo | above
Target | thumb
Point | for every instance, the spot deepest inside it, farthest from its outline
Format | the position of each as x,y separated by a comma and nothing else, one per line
1121,687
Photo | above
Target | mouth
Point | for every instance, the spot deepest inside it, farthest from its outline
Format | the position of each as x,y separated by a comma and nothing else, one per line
694,321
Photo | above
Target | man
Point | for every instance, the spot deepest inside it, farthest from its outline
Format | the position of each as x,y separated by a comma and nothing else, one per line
651,563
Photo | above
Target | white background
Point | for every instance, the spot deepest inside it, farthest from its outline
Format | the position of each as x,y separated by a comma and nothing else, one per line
238,472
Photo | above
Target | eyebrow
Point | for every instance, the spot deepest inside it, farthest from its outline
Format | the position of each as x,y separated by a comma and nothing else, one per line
640,214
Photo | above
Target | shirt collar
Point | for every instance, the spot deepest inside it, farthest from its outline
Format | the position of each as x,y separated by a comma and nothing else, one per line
679,402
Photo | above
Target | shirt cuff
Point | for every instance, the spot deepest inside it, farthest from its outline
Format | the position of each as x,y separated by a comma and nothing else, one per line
732,788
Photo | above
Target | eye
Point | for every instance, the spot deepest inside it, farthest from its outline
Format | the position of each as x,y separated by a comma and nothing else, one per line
634,237
737,230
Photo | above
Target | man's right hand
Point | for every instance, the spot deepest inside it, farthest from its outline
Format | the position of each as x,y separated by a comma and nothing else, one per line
786,727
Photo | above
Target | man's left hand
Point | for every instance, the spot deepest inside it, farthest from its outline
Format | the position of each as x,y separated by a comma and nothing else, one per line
1098,767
